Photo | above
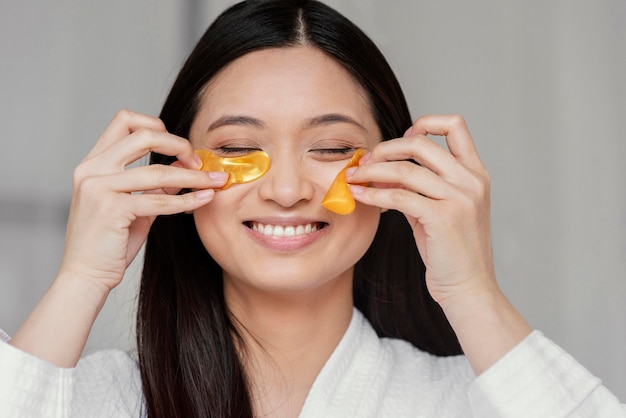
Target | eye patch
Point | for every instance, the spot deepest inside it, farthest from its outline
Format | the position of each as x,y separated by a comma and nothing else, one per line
338,199
240,169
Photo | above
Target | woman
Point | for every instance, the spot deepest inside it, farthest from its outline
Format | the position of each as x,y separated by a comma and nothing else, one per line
247,296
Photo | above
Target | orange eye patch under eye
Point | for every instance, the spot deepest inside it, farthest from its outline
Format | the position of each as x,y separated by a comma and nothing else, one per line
241,169
338,199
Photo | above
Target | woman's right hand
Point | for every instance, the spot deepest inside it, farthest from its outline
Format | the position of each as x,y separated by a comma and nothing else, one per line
114,206
112,209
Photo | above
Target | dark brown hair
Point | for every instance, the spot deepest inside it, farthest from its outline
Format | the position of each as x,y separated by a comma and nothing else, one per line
186,336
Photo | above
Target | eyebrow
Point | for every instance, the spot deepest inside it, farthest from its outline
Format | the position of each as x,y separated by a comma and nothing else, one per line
238,120
322,120
330,119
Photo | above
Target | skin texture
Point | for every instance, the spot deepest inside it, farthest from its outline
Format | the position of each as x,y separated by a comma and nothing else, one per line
291,295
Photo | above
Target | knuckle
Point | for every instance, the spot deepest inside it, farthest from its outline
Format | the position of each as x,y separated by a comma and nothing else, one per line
476,185
457,121
158,171
468,206
397,197
480,186
186,200
145,137
419,141
123,115
89,185
83,180
159,125
95,197
405,169
80,173
420,119
128,118
160,201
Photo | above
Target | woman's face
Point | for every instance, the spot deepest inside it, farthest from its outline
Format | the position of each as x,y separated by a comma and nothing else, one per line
303,109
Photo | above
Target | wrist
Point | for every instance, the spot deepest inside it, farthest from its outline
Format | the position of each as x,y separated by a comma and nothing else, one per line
486,324
57,329
80,289
472,302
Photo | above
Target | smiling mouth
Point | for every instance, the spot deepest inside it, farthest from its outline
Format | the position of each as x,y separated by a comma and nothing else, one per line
286,230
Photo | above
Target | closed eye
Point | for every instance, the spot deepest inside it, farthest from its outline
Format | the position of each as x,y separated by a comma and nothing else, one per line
236,150
335,151
333,154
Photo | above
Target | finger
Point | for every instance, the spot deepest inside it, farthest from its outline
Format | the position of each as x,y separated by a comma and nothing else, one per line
137,145
405,201
401,174
138,231
143,141
458,137
169,190
161,177
420,149
149,205
124,123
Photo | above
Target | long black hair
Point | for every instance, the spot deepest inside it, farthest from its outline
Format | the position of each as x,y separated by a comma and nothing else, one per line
187,341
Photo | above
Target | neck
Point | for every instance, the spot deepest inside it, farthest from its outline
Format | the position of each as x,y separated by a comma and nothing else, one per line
288,338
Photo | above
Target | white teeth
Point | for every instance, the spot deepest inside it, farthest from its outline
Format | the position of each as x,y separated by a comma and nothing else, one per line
284,231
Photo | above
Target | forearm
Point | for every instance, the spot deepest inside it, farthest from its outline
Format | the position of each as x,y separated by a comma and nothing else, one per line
486,324
57,329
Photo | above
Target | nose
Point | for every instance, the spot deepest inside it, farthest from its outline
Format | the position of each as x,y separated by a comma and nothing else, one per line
286,183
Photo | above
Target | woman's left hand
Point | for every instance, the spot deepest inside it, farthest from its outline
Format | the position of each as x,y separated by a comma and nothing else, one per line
445,199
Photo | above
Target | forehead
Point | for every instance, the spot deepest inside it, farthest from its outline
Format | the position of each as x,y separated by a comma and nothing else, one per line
285,82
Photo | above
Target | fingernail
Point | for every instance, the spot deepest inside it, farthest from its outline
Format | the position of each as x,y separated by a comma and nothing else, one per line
198,161
205,194
354,189
408,132
218,175
350,172
365,158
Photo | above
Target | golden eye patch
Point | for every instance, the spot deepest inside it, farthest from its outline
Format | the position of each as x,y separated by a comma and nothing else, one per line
240,169
338,199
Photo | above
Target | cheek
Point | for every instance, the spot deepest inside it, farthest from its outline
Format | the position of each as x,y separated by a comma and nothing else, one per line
362,229
323,174
213,222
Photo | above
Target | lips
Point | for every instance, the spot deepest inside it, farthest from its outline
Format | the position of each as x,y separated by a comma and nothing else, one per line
286,231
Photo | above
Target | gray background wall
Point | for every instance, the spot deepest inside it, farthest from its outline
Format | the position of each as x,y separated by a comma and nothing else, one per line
541,83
